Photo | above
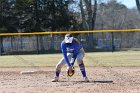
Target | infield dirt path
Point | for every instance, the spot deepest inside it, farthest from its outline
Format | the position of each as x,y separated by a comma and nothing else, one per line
102,80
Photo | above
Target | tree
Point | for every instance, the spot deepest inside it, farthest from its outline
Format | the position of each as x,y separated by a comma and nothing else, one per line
88,13
28,14
58,16
138,5
8,19
36,15
114,15
88,17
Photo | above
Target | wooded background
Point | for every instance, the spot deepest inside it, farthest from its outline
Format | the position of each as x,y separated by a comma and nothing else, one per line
68,15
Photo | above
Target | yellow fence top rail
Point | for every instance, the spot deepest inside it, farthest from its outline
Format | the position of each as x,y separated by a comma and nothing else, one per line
65,32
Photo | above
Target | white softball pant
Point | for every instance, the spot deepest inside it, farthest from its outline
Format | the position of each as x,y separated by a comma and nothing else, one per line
79,59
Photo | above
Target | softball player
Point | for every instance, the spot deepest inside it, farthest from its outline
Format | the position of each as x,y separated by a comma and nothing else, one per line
72,50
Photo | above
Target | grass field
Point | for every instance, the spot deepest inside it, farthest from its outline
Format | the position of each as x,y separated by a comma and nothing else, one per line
98,59
108,72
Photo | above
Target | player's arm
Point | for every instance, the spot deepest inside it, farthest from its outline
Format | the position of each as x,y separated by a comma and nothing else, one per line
75,51
64,52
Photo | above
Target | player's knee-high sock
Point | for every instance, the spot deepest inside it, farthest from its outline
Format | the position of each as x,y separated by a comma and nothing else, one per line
82,68
57,72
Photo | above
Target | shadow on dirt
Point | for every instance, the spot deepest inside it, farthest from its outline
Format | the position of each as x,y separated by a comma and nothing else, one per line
101,81
96,81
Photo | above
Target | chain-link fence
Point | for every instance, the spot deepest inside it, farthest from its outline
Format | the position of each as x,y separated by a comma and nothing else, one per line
50,43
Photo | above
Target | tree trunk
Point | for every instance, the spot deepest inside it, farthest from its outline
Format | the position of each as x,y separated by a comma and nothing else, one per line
138,5
94,14
37,25
89,12
84,23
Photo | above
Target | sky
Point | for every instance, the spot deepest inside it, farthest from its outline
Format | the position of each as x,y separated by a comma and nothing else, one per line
128,3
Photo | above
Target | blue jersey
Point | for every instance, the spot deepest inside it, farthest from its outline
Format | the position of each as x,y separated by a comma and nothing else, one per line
73,47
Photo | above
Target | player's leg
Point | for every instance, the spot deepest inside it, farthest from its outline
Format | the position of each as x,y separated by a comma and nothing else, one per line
82,68
81,64
60,64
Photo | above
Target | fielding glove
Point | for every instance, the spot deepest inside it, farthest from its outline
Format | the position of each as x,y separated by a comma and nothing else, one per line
70,73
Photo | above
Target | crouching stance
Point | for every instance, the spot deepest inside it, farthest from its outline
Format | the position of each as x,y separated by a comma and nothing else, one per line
72,50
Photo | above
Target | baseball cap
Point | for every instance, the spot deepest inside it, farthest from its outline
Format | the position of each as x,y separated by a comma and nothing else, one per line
68,38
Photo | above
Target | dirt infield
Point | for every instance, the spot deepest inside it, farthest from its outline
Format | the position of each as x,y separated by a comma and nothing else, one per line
102,80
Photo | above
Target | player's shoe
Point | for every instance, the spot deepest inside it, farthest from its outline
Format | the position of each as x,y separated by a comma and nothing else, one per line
56,79
85,79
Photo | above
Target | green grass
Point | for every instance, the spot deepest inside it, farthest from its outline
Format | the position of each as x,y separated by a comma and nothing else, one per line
116,59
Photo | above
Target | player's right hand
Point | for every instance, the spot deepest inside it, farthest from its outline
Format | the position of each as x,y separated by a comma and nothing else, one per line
70,71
